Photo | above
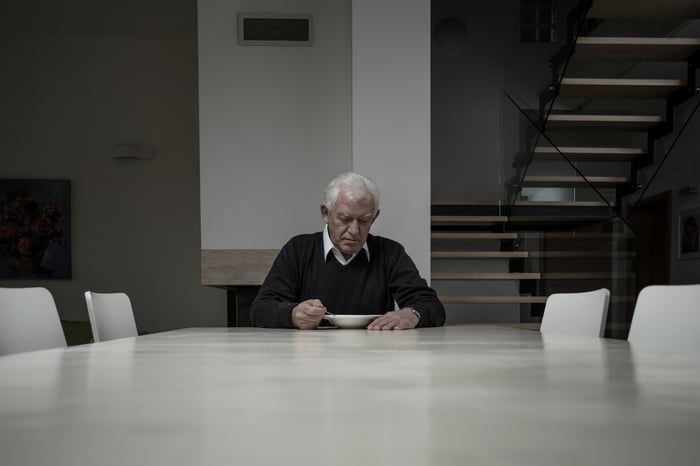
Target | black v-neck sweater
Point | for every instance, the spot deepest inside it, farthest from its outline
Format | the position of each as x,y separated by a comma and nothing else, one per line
301,272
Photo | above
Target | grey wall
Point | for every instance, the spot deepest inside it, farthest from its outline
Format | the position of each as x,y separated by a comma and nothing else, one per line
680,169
76,79
467,100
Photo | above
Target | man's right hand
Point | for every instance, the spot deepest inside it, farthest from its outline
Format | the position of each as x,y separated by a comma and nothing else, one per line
308,314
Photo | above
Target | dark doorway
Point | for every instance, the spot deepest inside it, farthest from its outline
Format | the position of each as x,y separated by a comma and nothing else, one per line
651,221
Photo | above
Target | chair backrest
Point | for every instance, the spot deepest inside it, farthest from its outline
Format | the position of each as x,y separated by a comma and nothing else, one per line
581,314
111,316
667,315
29,320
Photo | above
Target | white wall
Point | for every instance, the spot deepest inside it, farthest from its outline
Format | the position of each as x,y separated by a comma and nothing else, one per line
75,81
391,116
275,123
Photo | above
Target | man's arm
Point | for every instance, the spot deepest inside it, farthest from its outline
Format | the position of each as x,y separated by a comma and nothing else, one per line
278,294
412,292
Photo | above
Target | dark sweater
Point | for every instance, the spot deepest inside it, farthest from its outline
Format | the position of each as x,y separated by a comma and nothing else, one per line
300,272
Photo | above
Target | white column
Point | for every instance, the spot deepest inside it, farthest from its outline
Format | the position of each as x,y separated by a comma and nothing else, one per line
391,116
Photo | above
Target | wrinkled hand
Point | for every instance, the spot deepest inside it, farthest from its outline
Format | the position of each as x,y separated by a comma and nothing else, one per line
395,320
308,314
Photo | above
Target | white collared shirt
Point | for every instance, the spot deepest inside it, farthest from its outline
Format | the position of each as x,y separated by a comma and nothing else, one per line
328,246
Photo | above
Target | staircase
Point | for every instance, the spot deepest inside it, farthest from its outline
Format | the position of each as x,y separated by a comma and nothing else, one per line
561,226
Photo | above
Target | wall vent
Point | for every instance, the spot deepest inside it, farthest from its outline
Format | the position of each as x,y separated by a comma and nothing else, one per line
275,29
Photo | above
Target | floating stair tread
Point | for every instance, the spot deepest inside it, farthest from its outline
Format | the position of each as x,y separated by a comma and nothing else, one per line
586,276
558,218
573,204
492,299
557,180
603,121
485,276
467,203
589,153
478,254
644,9
619,87
468,218
525,203
515,299
577,235
636,48
586,254
473,235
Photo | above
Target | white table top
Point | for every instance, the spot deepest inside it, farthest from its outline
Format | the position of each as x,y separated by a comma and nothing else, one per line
462,395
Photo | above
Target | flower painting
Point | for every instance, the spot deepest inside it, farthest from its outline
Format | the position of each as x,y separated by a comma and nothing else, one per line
34,229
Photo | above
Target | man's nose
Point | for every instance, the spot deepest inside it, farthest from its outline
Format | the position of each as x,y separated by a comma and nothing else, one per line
354,227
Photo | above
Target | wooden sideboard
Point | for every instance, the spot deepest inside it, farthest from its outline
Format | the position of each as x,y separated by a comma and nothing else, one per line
240,272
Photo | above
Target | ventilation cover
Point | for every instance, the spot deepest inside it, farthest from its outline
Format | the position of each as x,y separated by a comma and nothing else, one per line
275,29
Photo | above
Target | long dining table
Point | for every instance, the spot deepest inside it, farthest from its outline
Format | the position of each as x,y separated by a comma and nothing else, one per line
456,395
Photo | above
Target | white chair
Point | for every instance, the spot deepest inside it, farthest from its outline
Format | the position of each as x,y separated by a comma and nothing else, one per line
111,316
29,320
667,315
581,314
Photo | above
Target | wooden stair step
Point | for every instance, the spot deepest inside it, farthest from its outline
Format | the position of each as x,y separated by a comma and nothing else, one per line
545,181
544,235
644,9
583,235
619,88
587,276
473,235
485,276
549,219
523,203
467,219
515,299
602,122
532,276
584,254
636,48
455,202
493,299
573,204
582,154
478,254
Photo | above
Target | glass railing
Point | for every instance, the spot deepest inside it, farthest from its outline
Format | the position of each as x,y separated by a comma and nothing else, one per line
560,189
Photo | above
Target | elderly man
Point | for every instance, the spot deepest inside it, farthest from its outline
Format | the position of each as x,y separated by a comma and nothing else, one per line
345,270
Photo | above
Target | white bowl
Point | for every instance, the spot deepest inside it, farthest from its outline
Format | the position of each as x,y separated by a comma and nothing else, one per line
351,320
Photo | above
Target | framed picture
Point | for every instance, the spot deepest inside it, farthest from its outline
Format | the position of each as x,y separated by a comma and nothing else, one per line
35,239
688,234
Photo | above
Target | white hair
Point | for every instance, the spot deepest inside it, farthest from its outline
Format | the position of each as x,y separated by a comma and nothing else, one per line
354,185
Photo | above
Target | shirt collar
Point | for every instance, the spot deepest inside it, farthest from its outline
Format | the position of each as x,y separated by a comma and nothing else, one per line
328,246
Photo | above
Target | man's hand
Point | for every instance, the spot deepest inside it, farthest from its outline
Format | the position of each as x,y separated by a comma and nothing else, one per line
308,314
395,320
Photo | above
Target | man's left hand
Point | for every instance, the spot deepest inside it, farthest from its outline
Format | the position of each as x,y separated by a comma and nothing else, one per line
395,320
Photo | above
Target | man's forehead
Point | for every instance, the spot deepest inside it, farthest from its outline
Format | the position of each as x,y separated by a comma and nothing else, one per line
359,212
355,209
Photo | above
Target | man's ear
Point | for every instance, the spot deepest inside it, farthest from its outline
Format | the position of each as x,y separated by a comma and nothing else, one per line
376,215
324,213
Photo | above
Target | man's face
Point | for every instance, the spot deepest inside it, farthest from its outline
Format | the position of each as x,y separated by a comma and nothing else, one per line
349,222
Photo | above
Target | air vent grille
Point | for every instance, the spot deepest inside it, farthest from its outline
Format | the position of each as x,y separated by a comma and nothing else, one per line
266,29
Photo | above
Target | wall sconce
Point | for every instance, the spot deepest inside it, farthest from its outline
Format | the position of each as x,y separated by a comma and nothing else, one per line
132,151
